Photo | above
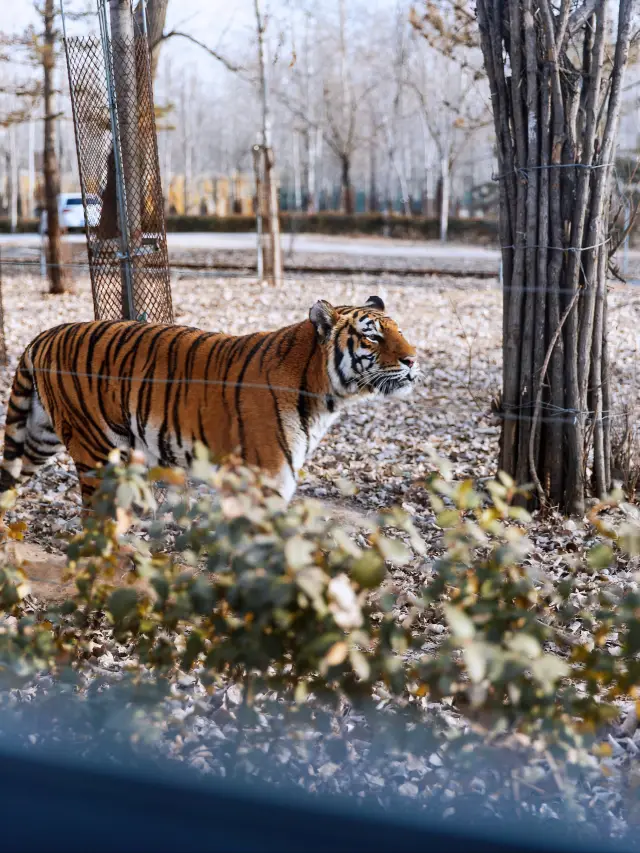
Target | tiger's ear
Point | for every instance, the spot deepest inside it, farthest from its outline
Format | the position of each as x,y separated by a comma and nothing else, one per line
374,302
323,316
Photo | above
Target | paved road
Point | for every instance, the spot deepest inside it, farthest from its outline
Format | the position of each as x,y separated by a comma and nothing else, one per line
299,243
324,244
28,245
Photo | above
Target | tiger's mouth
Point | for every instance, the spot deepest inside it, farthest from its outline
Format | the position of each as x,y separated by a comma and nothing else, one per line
403,388
393,383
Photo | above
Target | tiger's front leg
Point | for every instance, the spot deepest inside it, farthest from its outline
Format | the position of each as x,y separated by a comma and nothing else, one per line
286,482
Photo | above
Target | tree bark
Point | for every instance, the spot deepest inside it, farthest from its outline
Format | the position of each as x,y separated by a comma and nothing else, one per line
554,192
51,171
32,169
297,179
273,219
12,174
125,77
272,262
185,122
346,188
444,197
531,257
372,201
259,209
514,292
491,43
156,18
314,142
539,340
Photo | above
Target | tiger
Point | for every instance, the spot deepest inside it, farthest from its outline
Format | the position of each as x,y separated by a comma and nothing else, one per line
270,397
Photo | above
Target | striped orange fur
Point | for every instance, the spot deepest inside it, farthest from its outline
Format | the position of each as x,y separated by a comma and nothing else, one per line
271,396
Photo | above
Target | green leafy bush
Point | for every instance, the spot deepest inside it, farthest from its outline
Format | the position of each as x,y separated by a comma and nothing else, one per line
509,651
24,226
241,587
327,222
255,587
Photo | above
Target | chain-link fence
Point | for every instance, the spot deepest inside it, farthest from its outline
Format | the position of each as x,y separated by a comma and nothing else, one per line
112,97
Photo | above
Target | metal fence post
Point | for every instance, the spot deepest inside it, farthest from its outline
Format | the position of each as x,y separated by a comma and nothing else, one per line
128,309
122,197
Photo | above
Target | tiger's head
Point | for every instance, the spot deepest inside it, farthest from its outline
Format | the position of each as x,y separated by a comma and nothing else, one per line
365,350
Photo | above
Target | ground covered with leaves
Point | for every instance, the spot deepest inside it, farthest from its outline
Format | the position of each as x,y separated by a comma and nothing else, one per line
376,457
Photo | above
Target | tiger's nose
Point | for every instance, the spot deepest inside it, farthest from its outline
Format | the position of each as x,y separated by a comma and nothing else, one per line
410,360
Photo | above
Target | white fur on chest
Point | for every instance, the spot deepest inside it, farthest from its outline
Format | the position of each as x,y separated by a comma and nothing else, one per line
318,428
302,445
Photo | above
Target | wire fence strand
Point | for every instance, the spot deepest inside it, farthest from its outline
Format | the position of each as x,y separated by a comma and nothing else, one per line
403,278
549,413
435,403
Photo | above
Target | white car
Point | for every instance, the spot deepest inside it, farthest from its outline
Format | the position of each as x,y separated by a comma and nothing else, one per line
71,212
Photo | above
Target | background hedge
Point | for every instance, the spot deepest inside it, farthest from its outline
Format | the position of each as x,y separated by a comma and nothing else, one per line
375,225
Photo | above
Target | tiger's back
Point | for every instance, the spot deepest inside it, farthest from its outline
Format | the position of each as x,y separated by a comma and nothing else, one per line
94,386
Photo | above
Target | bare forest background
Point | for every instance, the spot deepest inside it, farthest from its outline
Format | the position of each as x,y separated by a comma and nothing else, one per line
374,107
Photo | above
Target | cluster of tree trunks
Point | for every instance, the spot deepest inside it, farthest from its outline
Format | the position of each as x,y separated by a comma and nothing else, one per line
555,89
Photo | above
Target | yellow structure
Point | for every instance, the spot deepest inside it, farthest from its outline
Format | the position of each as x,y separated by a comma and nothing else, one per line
220,196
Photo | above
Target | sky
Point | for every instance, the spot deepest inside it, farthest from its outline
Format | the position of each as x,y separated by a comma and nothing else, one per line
224,25
202,14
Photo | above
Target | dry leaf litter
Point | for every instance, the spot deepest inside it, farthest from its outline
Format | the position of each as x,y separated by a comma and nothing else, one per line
381,450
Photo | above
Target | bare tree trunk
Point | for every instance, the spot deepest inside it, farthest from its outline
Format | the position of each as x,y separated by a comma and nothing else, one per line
297,182
514,292
273,220
32,169
345,89
306,198
606,394
600,424
346,191
185,121
51,171
373,182
124,71
318,172
404,188
273,263
258,161
532,212
407,170
314,138
388,201
156,17
539,341
426,136
168,138
444,198
12,169
548,114
554,449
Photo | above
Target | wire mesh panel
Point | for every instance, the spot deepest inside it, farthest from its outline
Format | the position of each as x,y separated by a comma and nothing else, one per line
121,189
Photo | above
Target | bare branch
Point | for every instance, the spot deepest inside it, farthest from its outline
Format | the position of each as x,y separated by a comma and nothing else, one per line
581,15
231,66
